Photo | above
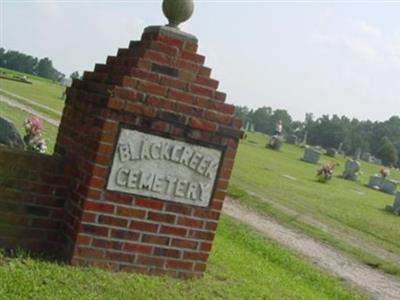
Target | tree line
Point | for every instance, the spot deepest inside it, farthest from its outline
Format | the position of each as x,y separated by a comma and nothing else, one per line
21,62
381,139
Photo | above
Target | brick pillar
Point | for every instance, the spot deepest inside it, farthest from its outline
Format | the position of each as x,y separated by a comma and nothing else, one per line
158,87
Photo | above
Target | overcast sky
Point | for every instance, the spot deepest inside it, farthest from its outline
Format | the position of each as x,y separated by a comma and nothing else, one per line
323,57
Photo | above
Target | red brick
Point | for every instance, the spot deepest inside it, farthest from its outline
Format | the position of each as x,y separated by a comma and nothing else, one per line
150,203
201,90
144,75
190,222
225,108
187,65
126,93
152,88
211,225
220,96
96,182
150,261
181,96
107,244
218,117
191,56
173,230
95,230
204,71
172,51
131,212
154,239
160,217
195,256
200,267
174,83
161,103
184,244
88,218
160,126
190,110
120,257
143,226
113,221
140,109
191,47
167,252
83,240
116,103
158,57
179,264
179,209
203,125
98,207
170,41
202,235
124,235
89,252
206,247
187,75
206,214
222,184
118,197
139,248
207,82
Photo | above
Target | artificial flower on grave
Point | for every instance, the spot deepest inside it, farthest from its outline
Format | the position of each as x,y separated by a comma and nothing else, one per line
326,171
33,138
384,172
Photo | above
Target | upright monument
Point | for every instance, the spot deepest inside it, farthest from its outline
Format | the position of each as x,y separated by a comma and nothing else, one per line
149,145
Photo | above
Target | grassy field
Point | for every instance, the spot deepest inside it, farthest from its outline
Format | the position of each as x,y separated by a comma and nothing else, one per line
42,91
242,266
18,117
279,183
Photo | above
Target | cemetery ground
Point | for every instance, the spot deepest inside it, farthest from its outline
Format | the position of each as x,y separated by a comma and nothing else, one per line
347,215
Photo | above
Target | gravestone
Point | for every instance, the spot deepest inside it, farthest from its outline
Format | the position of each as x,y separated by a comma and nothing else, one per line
357,154
385,185
340,149
375,181
366,156
275,142
389,186
292,139
149,145
9,135
352,167
331,152
311,155
395,208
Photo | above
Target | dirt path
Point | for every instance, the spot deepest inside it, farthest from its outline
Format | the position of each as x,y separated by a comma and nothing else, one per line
34,103
345,234
375,283
27,109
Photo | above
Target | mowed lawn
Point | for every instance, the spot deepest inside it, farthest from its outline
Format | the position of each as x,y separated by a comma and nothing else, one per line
242,266
18,117
42,91
275,181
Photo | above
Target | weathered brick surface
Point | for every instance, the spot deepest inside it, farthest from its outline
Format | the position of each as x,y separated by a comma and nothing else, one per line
160,86
32,198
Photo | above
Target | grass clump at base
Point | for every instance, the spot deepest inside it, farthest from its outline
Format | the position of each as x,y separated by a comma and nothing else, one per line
243,265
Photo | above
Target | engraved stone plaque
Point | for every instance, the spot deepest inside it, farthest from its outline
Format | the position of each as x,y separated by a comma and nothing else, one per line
153,166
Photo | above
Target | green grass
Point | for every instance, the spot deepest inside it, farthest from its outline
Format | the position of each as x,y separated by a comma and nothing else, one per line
242,266
18,117
340,204
41,91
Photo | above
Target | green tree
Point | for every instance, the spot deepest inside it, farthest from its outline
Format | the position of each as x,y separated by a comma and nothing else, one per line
387,152
75,75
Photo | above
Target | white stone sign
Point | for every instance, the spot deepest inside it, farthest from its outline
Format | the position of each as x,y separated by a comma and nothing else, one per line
152,166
